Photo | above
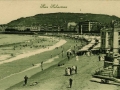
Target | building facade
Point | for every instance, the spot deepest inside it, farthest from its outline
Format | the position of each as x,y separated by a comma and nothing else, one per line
110,44
110,38
87,26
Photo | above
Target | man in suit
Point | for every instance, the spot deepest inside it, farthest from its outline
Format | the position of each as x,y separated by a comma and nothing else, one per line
70,82
25,80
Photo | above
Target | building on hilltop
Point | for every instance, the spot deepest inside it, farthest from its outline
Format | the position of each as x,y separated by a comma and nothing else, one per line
71,26
87,26
22,28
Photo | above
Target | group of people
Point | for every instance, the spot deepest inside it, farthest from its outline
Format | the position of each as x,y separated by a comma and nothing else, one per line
69,70
33,43
70,53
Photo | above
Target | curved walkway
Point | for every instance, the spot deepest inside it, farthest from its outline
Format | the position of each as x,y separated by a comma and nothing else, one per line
36,65
18,77
60,43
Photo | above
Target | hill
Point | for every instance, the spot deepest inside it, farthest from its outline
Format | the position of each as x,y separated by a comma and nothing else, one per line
61,19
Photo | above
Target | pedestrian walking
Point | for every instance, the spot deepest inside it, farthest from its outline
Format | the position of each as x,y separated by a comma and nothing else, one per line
99,57
75,69
67,53
68,71
68,57
51,55
25,80
70,82
77,58
42,65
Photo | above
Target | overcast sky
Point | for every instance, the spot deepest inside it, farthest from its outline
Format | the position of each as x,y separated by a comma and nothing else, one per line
13,9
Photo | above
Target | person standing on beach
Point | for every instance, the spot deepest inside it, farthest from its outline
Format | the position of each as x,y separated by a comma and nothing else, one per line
68,55
76,69
42,65
70,82
25,80
62,53
99,57
77,58
51,55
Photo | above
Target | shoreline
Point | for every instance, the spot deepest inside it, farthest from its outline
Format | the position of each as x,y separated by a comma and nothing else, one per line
25,55
31,70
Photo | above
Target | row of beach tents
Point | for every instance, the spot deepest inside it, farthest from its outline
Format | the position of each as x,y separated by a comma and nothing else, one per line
93,46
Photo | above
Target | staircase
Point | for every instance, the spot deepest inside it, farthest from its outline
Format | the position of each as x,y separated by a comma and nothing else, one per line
108,72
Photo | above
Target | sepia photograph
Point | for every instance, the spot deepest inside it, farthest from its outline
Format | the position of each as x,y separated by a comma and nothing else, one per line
59,45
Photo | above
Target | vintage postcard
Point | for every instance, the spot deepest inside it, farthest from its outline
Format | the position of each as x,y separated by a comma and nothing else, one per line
59,45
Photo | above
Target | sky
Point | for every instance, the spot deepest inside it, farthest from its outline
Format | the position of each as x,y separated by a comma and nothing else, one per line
14,9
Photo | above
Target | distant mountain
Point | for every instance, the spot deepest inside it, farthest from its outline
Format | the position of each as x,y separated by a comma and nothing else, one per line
61,19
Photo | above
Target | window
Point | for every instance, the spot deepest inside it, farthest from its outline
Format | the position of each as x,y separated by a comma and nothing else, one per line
119,42
102,33
118,33
109,34
119,50
102,41
109,42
